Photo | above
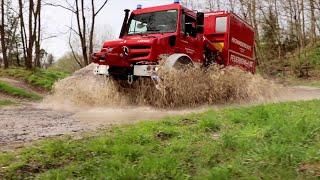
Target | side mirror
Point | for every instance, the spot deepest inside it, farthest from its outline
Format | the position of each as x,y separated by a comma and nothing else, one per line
200,22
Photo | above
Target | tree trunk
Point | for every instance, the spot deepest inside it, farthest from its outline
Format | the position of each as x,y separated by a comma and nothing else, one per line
256,30
38,35
17,54
303,24
298,24
93,18
313,21
3,37
23,31
31,39
84,39
82,32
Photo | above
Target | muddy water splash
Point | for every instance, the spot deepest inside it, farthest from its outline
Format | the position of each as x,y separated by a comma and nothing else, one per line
180,89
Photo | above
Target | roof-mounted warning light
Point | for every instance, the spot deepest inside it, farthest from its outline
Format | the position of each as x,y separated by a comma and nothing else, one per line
176,1
139,6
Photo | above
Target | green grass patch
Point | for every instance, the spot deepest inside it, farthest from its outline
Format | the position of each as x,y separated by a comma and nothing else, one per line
17,92
6,103
38,78
277,141
310,56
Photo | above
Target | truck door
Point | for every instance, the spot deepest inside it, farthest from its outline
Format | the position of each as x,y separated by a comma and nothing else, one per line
190,42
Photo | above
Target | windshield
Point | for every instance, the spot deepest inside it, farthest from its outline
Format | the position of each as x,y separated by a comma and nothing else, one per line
155,22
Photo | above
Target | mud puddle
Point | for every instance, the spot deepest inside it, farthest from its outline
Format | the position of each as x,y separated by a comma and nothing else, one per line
84,103
34,121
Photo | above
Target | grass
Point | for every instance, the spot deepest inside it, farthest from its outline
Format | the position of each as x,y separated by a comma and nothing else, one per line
294,61
38,78
314,84
308,55
277,141
311,83
292,81
17,92
312,54
6,103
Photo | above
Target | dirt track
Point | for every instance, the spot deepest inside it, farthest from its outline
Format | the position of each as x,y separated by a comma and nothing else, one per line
31,121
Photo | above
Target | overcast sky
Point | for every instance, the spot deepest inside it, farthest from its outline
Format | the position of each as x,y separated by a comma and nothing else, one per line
56,22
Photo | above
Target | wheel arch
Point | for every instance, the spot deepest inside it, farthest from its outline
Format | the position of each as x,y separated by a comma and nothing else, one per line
173,59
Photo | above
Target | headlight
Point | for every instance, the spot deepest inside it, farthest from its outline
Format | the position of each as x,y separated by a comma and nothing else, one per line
110,49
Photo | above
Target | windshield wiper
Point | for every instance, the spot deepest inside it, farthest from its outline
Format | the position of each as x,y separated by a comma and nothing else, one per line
154,30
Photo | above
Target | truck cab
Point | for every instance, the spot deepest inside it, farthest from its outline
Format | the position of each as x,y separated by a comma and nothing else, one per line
149,35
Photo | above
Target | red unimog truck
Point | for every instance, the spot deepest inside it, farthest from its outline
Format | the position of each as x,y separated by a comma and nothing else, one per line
183,36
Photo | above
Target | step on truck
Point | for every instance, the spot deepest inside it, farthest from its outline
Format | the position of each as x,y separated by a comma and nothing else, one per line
184,37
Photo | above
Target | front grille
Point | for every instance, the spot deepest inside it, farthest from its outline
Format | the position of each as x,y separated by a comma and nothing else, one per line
140,47
138,53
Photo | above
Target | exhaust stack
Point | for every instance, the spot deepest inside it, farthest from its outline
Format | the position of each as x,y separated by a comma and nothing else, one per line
125,21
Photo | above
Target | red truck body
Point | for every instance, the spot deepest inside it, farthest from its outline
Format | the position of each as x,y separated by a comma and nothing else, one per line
233,37
224,37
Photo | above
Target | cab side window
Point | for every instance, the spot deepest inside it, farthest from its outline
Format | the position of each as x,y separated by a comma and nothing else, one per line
183,22
188,25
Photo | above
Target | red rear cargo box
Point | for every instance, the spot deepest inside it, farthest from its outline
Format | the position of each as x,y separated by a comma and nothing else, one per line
233,37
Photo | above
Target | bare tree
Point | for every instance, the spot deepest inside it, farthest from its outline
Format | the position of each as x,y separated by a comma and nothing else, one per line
213,5
23,30
78,8
31,41
93,20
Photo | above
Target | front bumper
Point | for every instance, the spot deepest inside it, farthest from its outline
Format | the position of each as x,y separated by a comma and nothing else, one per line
101,70
138,70
145,70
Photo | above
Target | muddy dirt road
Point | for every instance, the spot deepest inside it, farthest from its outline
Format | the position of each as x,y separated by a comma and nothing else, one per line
32,121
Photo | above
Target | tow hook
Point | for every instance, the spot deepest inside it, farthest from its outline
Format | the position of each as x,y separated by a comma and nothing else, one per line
156,80
130,79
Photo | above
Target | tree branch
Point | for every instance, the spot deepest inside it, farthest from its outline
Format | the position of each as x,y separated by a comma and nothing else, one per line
96,13
73,53
61,6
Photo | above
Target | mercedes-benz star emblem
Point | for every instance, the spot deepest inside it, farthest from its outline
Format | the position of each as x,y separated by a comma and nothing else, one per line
126,50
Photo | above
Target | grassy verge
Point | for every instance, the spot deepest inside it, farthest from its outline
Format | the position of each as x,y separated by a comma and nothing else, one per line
301,82
38,78
311,83
278,141
17,92
6,103
307,83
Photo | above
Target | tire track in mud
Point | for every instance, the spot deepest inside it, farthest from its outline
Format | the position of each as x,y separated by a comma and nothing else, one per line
29,122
